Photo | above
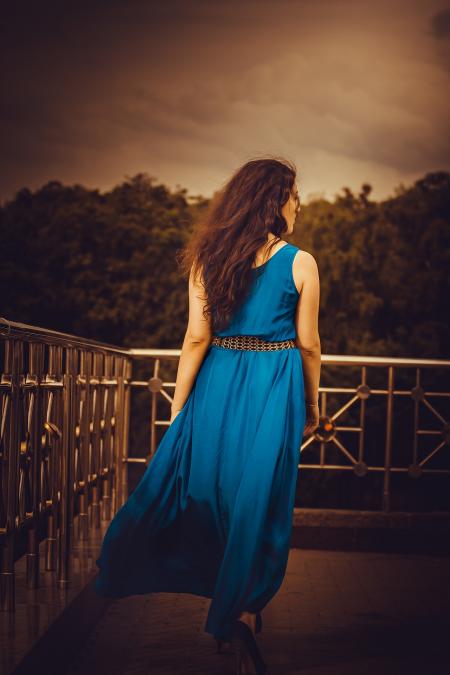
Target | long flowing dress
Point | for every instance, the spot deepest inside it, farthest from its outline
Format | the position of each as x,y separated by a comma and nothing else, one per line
212,513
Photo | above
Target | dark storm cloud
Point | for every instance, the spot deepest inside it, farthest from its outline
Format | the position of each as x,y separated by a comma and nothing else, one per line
352,91
440,24
440,28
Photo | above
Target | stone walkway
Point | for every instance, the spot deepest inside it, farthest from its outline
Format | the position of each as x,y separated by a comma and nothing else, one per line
337,613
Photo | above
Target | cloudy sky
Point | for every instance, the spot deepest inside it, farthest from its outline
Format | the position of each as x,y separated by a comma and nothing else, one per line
352,91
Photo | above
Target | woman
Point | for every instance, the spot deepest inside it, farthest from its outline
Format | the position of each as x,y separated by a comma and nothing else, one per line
212,514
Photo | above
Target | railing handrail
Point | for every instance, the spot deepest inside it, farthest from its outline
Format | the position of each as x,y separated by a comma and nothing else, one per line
24,330
47,335
329,359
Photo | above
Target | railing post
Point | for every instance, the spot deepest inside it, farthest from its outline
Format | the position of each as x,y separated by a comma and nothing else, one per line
55,414
153,405
128,374
34,377
67,470
107,437
97,456
13,376
84,443
388,445
120,432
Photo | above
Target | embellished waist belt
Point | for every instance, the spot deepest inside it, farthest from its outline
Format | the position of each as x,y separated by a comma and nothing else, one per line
251,342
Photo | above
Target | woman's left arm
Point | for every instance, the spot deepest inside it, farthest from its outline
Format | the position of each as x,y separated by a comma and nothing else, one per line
195,344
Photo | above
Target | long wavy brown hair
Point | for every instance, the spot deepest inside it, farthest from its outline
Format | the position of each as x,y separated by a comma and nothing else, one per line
236,224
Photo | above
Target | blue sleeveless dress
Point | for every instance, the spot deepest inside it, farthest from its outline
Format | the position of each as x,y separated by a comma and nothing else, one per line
212,513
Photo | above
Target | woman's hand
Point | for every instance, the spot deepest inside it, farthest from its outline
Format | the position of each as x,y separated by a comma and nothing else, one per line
312,418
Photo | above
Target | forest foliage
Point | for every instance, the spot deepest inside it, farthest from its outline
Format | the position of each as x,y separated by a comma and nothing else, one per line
102,264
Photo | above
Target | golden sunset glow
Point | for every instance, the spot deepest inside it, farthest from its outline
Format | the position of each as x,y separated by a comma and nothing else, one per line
351,91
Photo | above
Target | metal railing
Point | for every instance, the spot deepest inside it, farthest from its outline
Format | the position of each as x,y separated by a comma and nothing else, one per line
63,437
64,434
332,428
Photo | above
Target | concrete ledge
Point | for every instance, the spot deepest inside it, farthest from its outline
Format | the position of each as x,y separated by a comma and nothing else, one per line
400,532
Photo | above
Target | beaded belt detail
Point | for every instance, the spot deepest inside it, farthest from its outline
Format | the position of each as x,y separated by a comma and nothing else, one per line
251,342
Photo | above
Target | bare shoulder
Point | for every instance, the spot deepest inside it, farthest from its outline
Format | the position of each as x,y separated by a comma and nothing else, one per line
304,268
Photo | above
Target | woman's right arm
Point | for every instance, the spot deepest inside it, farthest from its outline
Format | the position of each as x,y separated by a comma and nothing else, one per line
306,278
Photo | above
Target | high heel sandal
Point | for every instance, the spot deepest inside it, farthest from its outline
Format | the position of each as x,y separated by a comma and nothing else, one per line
243,640
258,628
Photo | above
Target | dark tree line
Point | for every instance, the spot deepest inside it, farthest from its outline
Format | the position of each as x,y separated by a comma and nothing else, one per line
102,265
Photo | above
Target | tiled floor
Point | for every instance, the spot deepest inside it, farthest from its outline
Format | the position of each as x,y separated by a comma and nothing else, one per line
337,613
36,609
